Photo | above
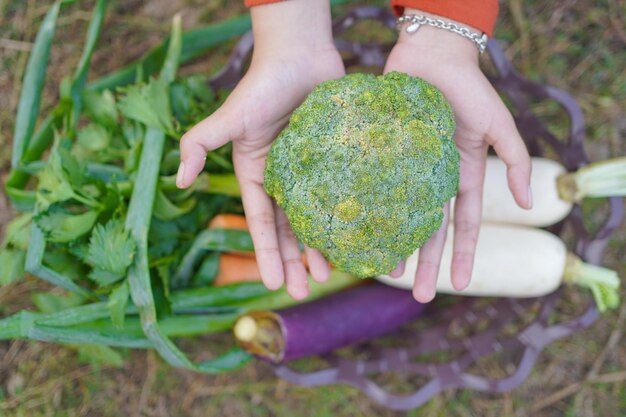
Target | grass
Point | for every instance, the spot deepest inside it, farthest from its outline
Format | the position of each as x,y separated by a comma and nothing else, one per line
576,46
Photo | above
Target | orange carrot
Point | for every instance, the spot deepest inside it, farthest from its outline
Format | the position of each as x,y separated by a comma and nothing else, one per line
228,221
235,268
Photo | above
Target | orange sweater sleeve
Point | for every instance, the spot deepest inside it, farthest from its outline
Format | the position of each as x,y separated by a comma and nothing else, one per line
480,14
251,3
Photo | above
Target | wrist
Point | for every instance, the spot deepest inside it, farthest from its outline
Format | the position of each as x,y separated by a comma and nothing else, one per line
292,26
439,44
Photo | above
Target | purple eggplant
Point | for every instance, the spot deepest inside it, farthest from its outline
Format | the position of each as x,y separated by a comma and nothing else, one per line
355,315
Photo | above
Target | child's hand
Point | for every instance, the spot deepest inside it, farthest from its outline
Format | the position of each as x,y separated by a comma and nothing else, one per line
290,59
450,63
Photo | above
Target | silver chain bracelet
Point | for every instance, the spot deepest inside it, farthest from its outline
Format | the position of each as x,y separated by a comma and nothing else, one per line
416,21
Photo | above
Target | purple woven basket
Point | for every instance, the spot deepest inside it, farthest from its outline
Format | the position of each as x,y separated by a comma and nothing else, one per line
415,355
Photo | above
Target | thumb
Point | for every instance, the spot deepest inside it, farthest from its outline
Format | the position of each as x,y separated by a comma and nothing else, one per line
208,135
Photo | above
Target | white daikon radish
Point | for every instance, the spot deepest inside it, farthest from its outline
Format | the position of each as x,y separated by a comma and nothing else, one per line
515,261
554,190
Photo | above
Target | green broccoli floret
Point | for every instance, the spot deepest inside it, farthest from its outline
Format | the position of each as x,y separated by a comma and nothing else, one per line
364,168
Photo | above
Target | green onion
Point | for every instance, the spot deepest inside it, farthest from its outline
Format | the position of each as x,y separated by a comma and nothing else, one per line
224,240
80,76
26,146
32,86
217,296
195,43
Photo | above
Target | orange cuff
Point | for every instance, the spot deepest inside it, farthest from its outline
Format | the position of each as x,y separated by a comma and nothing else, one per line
480,14
251,3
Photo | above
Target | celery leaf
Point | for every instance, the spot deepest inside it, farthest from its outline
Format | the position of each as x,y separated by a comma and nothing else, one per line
149,104
111,249
62,226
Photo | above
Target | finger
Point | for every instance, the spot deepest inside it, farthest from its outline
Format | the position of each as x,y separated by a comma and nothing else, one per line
509,146
467,216
425,285
208,135
399,270
295,272
260,217
318,265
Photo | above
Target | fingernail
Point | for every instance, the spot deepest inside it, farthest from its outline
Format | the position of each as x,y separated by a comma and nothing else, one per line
180,176
530,198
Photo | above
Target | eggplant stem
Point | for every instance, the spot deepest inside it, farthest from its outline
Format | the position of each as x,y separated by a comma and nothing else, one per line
261,333
245,329
603,282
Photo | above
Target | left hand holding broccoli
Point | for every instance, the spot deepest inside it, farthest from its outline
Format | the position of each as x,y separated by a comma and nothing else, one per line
286,65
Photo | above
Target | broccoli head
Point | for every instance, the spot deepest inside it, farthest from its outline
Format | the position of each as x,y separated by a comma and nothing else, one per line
364,168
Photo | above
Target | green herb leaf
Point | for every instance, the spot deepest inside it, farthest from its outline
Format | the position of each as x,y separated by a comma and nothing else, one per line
165,210
62,226
79,249
149,104
73,169
117,303
163,238
65,88
200,87
164,271
112,201
64,263
61,180
98,355
17,233
208,270
111,249
229,361
94,137
53,185
11,265
192,99
104,278
101,107
51,303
